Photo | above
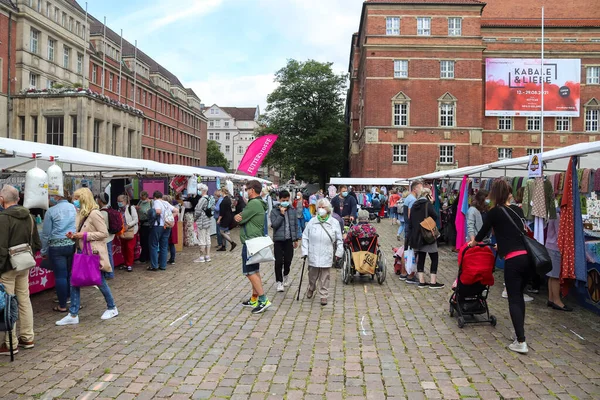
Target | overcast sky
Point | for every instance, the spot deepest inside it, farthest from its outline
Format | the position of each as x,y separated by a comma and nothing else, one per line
229,50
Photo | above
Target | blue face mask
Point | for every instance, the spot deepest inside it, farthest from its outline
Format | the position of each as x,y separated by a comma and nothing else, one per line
53,201
76,203
345,194
121,205
285,204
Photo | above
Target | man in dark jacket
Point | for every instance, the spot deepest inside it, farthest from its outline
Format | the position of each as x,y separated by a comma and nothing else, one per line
17,228
284,222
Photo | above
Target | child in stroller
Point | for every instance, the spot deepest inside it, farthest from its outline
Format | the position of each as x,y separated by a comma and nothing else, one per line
475,277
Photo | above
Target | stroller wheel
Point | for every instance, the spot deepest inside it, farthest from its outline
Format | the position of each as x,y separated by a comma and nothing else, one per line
461,322
493,320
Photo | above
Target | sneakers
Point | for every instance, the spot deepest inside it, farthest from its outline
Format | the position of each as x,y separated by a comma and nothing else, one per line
505,294
233,246
261,307
533,291
518,347
26,345
68,320
250,303
323,301
525,297
108,314
5,351
280,287
129,269
412,281
222,248
423,285
200,259
171,262
286,281
436,285
403,277
207,259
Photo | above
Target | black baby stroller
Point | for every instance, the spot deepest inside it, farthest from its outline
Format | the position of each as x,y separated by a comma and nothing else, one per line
475,277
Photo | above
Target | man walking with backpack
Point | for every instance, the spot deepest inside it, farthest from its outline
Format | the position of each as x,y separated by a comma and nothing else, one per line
17,228
252,221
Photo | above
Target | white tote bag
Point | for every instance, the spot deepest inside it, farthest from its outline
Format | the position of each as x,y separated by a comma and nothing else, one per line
410,262
259,250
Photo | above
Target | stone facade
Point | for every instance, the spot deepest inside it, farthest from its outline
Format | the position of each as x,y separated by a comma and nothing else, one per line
417,69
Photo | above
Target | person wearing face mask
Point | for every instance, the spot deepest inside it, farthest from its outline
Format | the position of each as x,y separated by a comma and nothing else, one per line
128,239
58,221
322,245
344,204
285,238
415,192
479,206
102,200
299,205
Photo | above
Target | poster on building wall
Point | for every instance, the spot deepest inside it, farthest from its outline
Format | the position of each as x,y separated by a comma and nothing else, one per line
513,87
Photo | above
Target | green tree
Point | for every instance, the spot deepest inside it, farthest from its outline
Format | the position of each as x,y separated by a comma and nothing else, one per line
214,156
306,111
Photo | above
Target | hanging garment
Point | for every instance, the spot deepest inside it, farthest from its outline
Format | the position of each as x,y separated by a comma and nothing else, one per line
584,186
550,200
556,181
520,183
579,176
580,261
561,182
515,185
591,182
597,180
538,230
538,209
460,216
566,231
527,199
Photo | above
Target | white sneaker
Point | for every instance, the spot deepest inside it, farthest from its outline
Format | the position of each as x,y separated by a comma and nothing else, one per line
108,314
200,259
280,287
207,259
286,281
505,294
68,320
527,298
518,347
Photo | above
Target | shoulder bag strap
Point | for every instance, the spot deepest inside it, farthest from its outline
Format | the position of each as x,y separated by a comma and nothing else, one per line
330,238
32,226
512,220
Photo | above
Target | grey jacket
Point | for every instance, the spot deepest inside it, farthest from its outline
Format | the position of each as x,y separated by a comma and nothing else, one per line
277,223
474,223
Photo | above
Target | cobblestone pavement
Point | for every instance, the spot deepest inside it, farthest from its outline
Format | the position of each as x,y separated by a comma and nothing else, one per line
183,334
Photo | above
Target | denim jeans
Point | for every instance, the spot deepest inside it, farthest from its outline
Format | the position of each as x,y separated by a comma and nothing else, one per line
62,261
172,252
76,297
159,242
111,274
219,236
301,226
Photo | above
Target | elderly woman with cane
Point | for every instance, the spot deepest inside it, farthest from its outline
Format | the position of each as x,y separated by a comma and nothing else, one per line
322,246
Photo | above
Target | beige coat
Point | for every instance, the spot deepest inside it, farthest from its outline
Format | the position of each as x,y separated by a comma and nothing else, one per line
97,232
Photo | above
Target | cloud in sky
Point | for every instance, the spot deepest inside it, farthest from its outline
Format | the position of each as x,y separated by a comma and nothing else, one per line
229,50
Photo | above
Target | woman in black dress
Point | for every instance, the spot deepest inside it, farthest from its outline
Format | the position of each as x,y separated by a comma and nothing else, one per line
225,220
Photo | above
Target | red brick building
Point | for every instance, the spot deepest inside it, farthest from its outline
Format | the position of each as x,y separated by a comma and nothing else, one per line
416,101
8,34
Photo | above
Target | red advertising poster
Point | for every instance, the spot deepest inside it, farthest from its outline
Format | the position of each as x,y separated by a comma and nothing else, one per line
40,279
513,87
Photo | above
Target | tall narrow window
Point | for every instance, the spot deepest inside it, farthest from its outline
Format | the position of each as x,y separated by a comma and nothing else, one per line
447,69
51,43
505,123
55,130
34,40
34,123
96,139
446,155
33,80
22,126
533,123
591,120
131,144
593,75
392,26
115,130
424,26
66,56
454,26
48,9
400,68
74,126
447,115
400,154
110,81
79,63
94,74
401,114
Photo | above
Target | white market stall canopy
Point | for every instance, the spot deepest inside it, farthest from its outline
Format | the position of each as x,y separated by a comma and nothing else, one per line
18,156
367,181
554,161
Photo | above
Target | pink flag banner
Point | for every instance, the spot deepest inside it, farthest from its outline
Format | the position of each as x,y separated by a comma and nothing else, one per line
256,153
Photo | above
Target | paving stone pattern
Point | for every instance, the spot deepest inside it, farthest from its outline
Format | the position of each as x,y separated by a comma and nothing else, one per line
183,334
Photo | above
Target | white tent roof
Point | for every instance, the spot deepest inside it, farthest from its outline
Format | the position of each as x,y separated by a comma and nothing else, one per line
17,156
366,181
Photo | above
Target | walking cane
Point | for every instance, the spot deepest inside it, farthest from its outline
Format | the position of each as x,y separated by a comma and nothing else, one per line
301,275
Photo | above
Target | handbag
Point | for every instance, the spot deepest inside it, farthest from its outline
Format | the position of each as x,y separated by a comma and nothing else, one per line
21,256
129,233
307,215
258,250
86,267
540,258
429,230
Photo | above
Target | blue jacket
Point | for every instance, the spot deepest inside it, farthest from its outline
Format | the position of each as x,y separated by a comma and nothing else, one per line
217,208
59,220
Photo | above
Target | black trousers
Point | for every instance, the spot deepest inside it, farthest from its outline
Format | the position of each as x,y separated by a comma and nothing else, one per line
145,243
516,275
284,252
421,256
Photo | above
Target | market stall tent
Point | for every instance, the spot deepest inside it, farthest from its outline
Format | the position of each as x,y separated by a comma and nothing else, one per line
368,181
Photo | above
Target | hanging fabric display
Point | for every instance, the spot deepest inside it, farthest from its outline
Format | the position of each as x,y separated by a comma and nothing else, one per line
460,214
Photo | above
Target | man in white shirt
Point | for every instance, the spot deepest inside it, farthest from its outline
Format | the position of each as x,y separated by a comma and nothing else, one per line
161,229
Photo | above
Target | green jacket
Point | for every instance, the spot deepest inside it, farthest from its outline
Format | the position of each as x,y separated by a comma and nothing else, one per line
16,223
253,219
